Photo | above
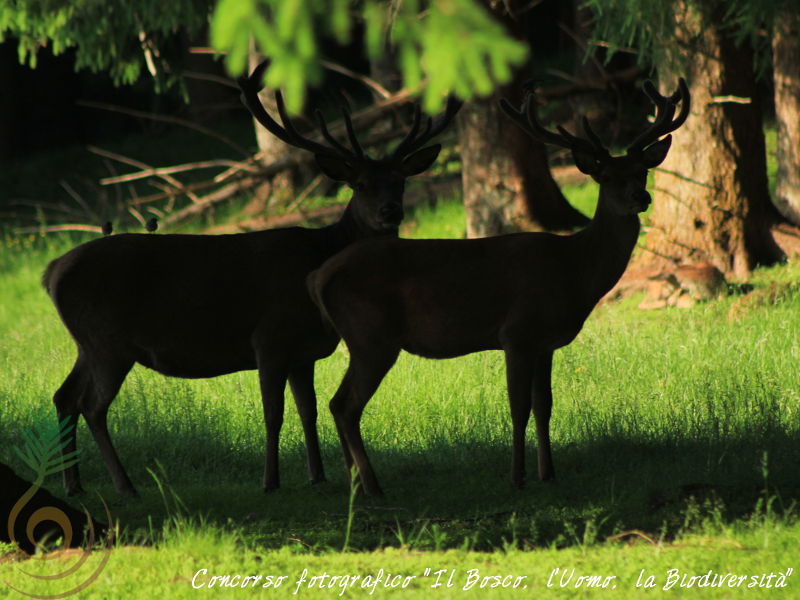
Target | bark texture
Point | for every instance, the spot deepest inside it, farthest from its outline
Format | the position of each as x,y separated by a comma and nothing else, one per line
506,178
786,70
711,199
507,181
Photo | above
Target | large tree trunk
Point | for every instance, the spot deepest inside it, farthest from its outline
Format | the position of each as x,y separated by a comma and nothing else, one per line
786,69
507,182
711,200
506,178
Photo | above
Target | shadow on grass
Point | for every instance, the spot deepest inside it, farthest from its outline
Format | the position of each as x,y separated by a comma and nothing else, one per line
454,495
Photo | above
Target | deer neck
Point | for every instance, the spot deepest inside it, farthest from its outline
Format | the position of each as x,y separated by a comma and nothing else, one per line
610,240
348,230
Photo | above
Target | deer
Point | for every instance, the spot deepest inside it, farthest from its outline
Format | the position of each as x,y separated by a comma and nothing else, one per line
526,293
198,306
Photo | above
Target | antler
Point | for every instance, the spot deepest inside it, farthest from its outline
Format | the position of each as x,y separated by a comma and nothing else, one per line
414,140
526,118
252,85
665,109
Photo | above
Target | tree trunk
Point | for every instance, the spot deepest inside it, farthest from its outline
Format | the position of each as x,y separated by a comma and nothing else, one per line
280,188
786,69
506,179
711,199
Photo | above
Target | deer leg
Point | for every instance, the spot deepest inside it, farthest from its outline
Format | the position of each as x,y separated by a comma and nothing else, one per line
340,398
107,377
273,385
67,401
364,378
519,376
302,381
542,408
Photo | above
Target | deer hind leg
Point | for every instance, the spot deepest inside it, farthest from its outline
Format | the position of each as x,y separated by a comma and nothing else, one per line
542,408
301,380
519,376
107,375
68,400
362,379
273,386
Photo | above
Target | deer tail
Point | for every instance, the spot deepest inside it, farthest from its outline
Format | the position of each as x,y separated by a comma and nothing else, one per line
49,276
315,283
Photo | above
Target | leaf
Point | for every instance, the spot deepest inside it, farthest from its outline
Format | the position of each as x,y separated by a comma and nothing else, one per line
340,21
375,22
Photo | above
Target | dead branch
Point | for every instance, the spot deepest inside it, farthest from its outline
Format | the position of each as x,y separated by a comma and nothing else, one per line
170,192
41,205
166,119
65,227
140,165
329,213
301,197
208,201
157,171
227,82
368,81
245,183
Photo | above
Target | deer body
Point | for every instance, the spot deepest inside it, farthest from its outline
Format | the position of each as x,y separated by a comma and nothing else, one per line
419,290
526,294
195,306
203,305
168,313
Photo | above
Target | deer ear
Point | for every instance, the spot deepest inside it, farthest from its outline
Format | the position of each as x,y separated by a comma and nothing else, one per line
654,154
586,162
336,168
421,160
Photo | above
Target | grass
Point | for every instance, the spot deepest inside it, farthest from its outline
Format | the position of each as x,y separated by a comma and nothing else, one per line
679,424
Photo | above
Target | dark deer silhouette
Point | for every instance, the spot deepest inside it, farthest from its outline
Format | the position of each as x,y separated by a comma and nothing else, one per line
526,294
205,305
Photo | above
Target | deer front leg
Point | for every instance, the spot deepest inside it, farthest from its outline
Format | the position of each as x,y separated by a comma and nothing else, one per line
347,410
336,403
301,380
519,374
67,401
273,385
542,408
359,384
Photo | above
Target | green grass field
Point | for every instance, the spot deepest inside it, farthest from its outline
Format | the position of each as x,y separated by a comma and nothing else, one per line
682,426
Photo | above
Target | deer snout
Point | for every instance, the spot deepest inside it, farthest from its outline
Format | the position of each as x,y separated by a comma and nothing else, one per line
640,200
391,213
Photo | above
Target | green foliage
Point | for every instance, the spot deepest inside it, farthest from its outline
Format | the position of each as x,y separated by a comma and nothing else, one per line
648,26
453,46
641,24
443,46
117,37
661,424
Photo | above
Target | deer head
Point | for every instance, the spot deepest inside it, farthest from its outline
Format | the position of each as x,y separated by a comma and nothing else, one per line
377,183
622,179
